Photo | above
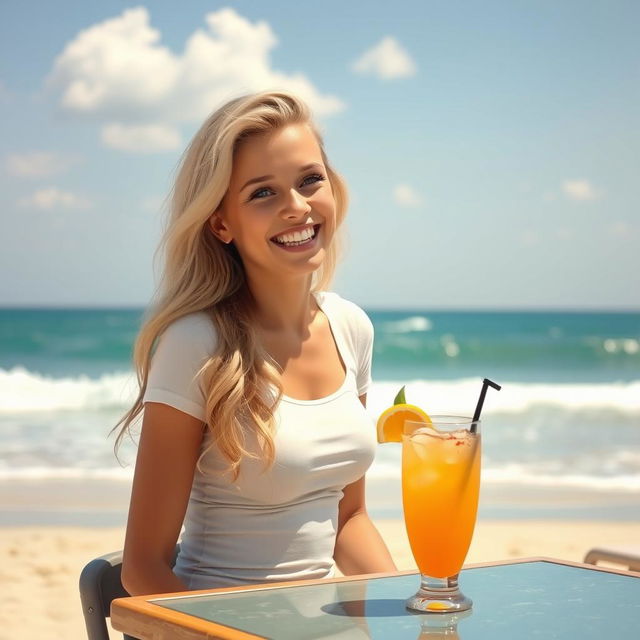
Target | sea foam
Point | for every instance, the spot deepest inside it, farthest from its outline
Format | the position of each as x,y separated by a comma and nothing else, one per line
514,475
25,391
459,397
408,325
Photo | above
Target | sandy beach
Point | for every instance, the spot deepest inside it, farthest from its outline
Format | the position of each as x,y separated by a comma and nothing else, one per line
42,563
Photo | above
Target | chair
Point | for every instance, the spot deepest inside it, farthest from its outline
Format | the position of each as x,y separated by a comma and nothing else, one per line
100,583
626,555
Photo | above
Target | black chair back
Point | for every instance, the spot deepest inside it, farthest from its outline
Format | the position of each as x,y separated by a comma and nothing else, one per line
100,583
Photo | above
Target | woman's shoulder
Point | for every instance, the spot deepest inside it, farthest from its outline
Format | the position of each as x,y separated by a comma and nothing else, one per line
345,311
191,330
183,348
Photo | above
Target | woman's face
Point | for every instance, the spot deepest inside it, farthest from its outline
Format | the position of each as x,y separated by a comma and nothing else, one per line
279,210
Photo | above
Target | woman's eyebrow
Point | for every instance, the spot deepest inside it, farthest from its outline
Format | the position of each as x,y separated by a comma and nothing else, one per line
269,177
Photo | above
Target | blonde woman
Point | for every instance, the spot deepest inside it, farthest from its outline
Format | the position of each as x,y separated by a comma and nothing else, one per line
253,378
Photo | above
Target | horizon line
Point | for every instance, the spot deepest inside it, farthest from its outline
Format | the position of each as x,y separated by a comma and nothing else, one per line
374,309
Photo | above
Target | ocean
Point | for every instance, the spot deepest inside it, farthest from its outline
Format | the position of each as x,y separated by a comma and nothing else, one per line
561,439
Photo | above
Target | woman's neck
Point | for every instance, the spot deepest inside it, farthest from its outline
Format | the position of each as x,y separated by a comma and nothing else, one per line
284,306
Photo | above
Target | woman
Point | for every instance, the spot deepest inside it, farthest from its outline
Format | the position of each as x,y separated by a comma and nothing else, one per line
254,430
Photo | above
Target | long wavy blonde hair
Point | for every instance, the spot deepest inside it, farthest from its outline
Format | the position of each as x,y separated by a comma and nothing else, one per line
200,273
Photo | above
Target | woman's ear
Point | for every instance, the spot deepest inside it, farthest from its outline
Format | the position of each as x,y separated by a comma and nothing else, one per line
219,228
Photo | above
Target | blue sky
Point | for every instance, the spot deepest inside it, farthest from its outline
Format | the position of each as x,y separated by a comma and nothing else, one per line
491,148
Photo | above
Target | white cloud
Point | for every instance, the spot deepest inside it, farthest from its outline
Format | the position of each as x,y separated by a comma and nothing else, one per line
231,58
153,204
530,238
119,71
116,67
525,187
579,190
564,233
406,196
52,198
388,59
38,164
621,229
147,138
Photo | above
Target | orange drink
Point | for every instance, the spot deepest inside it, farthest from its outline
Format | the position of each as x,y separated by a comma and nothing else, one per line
440,488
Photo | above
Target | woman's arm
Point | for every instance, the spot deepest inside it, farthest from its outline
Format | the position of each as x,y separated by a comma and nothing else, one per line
167,455
359,546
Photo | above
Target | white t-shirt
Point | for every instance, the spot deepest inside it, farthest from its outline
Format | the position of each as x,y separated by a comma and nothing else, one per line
279,524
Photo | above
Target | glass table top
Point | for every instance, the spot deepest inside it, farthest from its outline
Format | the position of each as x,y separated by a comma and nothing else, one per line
523,600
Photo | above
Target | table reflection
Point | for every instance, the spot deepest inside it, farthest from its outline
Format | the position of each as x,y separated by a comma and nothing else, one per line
518,600
441,625
331,611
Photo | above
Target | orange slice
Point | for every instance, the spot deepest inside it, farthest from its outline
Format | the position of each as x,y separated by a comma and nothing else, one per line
391,421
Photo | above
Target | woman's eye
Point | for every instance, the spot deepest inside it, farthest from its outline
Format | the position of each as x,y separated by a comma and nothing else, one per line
256,194
316,177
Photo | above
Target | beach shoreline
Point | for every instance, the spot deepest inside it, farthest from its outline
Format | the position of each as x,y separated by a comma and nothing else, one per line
43,563
97,501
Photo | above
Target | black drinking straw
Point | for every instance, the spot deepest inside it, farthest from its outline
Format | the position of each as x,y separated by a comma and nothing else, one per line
476,416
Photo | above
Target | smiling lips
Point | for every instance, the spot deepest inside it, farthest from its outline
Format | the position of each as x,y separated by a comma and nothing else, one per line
299,237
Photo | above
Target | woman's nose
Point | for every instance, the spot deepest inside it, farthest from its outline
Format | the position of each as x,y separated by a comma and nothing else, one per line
296,205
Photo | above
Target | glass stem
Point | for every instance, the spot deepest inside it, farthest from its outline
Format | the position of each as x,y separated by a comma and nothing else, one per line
429,583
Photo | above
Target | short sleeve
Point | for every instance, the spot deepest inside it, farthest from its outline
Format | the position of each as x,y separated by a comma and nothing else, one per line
183,348
364,352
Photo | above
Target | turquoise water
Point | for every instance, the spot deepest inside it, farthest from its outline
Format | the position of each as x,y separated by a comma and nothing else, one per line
519,346
566,423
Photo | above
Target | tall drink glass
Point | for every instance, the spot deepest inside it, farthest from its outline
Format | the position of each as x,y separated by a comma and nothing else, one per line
440,488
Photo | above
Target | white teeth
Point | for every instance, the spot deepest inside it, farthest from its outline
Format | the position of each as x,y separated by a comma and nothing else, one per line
296,238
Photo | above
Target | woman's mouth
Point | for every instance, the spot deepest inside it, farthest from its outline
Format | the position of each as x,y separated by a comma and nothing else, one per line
297,240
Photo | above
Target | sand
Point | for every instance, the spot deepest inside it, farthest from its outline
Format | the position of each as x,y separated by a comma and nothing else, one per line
41,565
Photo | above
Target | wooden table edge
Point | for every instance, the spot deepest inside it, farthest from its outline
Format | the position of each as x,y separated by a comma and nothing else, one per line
136,609
129,615
133,618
